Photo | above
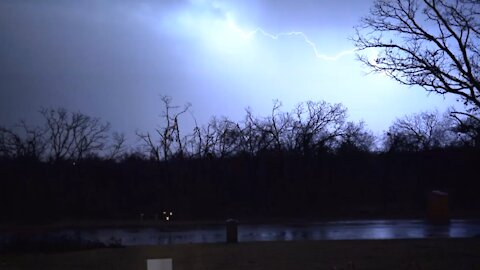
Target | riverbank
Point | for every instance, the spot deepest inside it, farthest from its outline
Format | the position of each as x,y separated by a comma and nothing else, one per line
44,227
367,254
151,223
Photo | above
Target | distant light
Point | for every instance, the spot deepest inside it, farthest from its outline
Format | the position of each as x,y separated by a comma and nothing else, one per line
167,218
171,214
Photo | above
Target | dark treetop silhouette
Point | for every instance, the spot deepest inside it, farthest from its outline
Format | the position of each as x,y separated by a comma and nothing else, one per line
430,43
310,162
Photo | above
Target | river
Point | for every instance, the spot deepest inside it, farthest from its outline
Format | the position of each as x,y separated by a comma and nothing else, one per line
335,230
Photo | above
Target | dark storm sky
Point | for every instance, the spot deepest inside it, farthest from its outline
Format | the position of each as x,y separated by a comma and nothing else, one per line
113,59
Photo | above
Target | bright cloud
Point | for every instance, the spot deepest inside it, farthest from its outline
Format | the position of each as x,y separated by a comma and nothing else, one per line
113,59
215,26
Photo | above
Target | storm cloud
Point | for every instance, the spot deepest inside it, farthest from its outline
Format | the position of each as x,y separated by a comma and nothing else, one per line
113,59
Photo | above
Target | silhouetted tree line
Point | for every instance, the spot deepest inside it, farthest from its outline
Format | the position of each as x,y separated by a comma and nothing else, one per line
310,162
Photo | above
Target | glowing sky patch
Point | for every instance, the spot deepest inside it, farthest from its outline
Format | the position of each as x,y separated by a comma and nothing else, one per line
288,65
113,59
251,34
218,28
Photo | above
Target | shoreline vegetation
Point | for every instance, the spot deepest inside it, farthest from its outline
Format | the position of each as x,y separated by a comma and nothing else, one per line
272,185
307,163
339,254
152,222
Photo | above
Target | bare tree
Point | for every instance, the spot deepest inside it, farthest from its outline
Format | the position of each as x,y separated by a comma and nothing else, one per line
274,127
12,145
434,44
467,129
209,139
74,135
170,141
251,140
310,126
222,137
117,148
317,125
195,141
356,138
24,142
423,131
152,147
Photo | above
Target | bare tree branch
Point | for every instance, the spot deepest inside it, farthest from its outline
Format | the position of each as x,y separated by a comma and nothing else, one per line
170,141
74,135
430,43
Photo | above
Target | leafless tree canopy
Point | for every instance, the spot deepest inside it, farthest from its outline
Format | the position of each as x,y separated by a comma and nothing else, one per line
468,130
63,136
430,43
356,137
29,142
168,139
423,131
74,135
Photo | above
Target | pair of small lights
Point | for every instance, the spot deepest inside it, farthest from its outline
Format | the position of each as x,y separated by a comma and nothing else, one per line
167,215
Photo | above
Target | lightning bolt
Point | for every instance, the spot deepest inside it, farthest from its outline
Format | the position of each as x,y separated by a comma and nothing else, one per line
250,34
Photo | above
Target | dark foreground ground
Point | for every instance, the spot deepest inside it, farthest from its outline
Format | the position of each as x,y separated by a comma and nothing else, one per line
371,254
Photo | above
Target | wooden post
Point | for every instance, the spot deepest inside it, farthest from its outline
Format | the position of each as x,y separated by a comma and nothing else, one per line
438,210
232,230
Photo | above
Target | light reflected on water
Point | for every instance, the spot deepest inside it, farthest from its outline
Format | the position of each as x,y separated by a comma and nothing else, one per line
341,230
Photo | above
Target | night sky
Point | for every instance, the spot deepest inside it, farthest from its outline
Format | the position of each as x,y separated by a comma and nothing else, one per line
114,59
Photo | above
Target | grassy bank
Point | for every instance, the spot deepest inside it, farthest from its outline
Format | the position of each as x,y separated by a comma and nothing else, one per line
371,254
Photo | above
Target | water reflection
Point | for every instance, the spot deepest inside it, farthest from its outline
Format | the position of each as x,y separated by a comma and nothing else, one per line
352,230
343,230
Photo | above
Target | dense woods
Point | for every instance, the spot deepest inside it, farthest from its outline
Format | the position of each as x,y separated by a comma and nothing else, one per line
308,163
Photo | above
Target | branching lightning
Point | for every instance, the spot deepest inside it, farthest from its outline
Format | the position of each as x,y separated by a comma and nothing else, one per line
217,26
250,34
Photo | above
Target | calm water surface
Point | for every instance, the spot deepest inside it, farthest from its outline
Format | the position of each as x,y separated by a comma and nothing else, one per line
339,230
